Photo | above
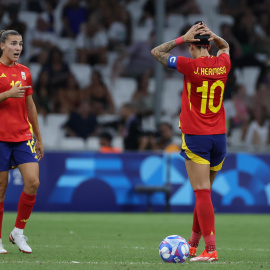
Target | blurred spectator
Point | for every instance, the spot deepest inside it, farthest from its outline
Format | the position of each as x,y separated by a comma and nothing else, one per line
92,44
165,140
148,14
240,107
141,97
235,46
57,69
35,5
258,130
139,59
105,142
132,130
74,14
98,95
15,23
182,7
42,94
39,39
48,14
251,42
43,57
262,97
68,97
119,32
232,7
82,122
2,13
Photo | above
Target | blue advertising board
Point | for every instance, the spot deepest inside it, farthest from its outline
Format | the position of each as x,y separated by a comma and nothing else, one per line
87,181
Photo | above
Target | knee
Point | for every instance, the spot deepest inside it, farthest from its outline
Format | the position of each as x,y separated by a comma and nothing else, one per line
32,186
3,188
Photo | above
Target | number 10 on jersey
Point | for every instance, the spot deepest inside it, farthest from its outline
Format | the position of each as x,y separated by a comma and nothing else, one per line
204,89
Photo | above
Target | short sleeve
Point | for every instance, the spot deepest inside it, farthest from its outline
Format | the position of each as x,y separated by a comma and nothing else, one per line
225,58
183,64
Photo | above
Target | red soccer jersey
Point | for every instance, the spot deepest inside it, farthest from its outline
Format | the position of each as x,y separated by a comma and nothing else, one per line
202,110
14,125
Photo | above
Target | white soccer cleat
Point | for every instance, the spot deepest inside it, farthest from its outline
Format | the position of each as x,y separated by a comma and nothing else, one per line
2,250
20,241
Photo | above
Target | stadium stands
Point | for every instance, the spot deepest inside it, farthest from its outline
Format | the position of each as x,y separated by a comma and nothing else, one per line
122,88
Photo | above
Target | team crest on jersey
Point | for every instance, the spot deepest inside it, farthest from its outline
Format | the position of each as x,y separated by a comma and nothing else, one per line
23,75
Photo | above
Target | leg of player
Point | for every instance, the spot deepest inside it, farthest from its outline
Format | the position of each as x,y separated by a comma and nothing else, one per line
30,173
3,188
199,176
195,235
196,230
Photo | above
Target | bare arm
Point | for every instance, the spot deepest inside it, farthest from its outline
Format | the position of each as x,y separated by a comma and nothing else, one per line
32,116
161,52
222,44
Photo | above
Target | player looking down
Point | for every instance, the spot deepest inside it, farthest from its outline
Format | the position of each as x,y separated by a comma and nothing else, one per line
202,121
18,117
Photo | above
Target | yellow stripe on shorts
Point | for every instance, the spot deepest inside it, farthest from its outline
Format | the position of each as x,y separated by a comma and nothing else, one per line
218,167
195,158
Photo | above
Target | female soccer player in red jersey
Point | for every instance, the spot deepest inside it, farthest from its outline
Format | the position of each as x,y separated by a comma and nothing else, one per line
202,121
18,117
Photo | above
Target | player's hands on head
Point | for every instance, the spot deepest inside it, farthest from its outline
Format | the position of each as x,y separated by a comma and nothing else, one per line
192,32
207,31
17,91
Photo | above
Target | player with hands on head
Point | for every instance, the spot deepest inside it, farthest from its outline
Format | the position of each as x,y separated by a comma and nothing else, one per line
18,117
203,123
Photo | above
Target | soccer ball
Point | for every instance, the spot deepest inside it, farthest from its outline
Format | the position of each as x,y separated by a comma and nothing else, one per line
174,249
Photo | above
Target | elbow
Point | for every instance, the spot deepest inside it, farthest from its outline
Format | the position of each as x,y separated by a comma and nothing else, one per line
153,52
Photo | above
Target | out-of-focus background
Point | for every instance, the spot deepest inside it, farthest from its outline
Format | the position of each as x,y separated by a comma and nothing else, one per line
108,114
98,90
96,54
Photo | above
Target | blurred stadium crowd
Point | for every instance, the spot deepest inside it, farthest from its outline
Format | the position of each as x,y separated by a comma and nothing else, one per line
93,71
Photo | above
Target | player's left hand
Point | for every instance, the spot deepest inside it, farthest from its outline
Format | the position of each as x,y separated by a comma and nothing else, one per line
39,150
207,31
192,32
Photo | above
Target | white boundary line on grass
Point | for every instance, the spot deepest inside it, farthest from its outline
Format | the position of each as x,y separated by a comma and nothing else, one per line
126,247
124,263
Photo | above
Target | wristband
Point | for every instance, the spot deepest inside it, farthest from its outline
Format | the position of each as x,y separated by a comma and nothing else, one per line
179,41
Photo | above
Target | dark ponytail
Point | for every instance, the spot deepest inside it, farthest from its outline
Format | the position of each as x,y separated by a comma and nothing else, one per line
4,35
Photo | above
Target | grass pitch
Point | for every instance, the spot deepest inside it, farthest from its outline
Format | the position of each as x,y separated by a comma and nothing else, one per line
131,241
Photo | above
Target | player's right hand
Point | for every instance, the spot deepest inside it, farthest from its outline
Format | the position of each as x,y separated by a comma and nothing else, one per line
192,32
17,91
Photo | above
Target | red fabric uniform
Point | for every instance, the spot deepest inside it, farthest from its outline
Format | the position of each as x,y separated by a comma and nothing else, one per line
14,125
202,110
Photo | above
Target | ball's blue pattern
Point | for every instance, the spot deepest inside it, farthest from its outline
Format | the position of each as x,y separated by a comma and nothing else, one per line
174,249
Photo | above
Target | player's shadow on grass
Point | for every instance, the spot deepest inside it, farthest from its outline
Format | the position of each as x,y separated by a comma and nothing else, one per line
94,195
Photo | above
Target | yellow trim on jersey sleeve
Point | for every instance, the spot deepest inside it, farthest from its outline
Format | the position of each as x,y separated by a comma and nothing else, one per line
218,167
195,158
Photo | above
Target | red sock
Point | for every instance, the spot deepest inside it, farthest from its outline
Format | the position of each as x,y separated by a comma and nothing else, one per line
1,217
196,231
25,207
196,226
206,217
